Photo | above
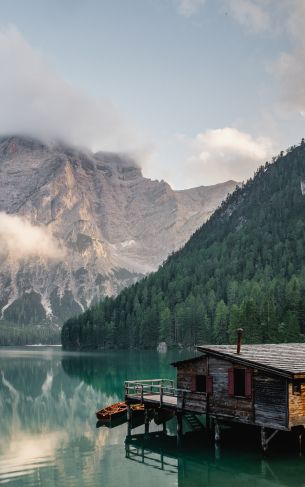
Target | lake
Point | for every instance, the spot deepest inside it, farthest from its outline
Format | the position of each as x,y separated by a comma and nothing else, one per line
48,434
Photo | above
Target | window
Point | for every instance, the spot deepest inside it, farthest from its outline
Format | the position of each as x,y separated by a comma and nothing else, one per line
201,383
296,387
240,382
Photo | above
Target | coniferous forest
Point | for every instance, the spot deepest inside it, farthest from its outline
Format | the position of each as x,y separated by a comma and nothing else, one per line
244,268
10,334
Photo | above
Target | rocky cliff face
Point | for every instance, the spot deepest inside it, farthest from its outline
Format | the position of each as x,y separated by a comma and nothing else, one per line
112,224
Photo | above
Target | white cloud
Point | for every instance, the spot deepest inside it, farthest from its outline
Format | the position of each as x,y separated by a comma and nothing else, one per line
289,69
226,153
22,239
187,8
286,19
210,157
35,100
253,14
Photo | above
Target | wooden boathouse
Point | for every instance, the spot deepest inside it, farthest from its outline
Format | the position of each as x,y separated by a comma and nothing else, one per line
258,385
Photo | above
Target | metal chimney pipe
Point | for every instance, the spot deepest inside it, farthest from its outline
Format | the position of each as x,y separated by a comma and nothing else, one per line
239,337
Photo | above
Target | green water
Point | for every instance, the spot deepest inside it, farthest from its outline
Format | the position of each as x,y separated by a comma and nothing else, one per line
48,434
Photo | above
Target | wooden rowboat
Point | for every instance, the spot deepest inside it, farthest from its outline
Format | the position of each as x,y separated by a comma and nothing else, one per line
137,408
114,411
118,410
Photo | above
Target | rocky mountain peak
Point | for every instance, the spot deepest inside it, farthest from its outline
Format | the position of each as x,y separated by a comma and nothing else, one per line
111,224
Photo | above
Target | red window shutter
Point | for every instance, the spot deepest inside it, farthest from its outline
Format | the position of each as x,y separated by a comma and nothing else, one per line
248,383
209,386
194,383
231,382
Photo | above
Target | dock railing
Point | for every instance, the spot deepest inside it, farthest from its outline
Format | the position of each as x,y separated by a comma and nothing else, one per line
152,387
160,391
158,387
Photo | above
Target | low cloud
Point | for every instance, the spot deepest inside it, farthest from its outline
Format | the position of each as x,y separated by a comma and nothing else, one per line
36,100
226,153
21,239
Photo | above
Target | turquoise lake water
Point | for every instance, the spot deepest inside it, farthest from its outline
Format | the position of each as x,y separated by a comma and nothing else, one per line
48,434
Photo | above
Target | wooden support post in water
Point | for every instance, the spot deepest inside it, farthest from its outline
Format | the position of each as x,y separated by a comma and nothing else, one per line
217,437
129,420
162,460
127,450
264,440
179,428
146,423
208,424
300,436
216,431
164,428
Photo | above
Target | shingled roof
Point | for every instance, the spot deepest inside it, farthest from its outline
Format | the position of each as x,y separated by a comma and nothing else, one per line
286,359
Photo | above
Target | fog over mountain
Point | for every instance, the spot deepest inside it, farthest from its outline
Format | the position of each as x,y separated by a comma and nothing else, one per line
76,226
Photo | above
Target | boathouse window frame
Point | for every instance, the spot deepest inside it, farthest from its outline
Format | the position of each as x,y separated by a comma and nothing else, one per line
202,384
240,382
296,388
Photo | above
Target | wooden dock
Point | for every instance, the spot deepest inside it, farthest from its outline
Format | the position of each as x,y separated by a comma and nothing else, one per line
153,393
161,393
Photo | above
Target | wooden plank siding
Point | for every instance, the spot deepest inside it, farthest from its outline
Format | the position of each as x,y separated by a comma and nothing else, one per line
187,370
296,405
270,401
221,404
191,401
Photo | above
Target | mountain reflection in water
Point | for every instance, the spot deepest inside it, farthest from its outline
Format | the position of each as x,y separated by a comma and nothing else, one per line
48,436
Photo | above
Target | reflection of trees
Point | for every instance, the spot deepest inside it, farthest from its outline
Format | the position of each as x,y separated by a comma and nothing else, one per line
27,377
55,405
48,404
107,371
44,412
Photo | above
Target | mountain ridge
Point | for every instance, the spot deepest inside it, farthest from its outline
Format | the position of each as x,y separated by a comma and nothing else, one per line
105,215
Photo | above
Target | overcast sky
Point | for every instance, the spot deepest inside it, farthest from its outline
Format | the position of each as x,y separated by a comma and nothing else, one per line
200,91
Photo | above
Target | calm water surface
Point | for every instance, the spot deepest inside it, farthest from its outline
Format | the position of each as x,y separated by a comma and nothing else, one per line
48,434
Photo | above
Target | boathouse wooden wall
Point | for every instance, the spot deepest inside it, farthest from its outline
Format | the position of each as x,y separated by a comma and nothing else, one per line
270,403
266,406
296,405
221,404
186,372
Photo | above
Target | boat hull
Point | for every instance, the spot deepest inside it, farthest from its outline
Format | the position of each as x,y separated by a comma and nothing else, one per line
117,414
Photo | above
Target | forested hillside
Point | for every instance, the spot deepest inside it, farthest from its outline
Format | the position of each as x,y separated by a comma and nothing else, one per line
244,267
